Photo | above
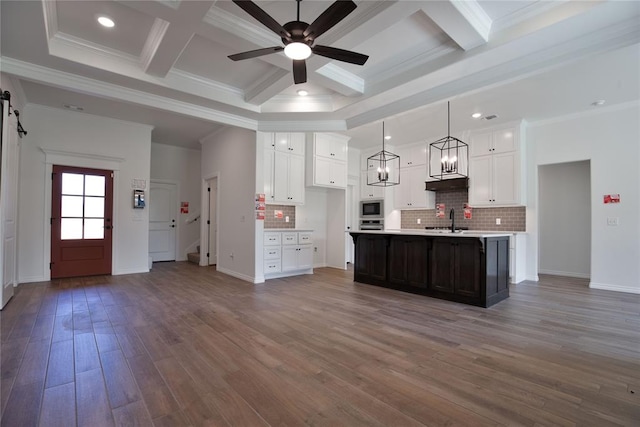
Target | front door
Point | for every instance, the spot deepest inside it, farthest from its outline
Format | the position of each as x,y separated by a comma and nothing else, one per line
163,207
81,226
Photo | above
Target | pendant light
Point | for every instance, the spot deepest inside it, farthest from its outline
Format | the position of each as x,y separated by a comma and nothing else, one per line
385,167
452,153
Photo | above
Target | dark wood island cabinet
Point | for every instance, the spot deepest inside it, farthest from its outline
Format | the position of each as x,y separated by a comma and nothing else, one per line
470,268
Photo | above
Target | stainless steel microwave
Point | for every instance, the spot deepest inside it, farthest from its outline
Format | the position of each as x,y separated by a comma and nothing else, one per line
372,209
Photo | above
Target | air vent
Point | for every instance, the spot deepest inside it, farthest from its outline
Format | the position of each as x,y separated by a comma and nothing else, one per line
490,117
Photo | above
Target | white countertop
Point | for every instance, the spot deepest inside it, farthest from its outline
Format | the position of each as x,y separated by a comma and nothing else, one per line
293,230
438,233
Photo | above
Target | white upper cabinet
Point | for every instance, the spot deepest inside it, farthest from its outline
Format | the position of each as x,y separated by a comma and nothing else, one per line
411,193
283,168
497,168
290,142
370,192
327,167
412,155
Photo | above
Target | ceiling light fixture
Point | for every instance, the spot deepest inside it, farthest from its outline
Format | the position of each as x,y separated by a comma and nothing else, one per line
598,103
105,21
476,115
297,51
388,137
453,154
387,165
302,92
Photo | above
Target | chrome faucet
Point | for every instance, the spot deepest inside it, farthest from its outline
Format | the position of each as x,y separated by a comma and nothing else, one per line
453,220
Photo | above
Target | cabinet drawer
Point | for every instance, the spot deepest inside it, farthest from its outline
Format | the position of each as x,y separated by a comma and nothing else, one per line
271,253
272,239
272,266
304,238
290,238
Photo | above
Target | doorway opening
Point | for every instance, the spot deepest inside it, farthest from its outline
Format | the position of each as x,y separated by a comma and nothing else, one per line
81,226
564,193
212,222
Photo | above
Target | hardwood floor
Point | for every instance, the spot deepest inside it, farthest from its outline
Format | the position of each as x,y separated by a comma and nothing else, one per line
186,345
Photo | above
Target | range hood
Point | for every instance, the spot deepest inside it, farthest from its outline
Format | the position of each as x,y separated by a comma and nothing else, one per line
447,184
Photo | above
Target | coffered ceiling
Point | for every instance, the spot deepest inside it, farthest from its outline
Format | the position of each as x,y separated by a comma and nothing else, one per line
165,63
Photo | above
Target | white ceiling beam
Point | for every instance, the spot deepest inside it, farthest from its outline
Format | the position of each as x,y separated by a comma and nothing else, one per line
463,20
168,39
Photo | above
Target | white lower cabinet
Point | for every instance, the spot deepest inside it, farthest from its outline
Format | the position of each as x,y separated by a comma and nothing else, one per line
288,253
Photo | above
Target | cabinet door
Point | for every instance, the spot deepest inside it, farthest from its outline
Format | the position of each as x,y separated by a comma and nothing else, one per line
281,141
323,171
296,143
268,169
371,257
413,155
467,267
408,261
339,174
504,140
305,257
296,179
481,143
370,192
289,258
268,140
402,192
419,196
281,178
442,265
505,179
480,193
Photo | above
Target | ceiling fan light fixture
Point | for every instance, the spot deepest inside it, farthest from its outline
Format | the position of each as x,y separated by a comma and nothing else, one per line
297,50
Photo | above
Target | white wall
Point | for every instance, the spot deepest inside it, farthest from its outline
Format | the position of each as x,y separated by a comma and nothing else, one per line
565,219
79,139
231,156
181,166
609,138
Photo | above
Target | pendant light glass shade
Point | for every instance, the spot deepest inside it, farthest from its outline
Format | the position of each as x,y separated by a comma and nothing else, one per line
448,156
383,167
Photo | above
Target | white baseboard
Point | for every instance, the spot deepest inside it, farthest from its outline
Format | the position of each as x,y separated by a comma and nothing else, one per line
565,274
130,271
32,279
533,278
235,274
615,288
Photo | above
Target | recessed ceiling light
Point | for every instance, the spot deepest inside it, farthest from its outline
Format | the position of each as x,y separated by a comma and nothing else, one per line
476,115
105,21
598,103
302,92
388,137
73,107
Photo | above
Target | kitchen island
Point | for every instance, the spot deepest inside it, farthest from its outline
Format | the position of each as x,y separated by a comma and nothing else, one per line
466,267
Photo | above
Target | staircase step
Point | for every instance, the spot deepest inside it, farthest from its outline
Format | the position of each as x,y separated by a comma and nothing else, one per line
194,257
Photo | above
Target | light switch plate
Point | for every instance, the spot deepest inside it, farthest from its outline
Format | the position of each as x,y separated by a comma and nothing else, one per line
498,221
612,221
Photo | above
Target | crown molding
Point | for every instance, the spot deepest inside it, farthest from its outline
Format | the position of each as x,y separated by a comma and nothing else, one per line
344,77
233,24
151,45
586,113
303,126
110,91
528,12
475,15
50,11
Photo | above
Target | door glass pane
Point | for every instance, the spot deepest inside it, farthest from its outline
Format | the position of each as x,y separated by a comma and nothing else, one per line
72,183
71,228
94,207
94,228
72,206
94,185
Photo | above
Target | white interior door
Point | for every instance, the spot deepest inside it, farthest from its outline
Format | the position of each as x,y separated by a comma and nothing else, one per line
213,222
163,208
8,203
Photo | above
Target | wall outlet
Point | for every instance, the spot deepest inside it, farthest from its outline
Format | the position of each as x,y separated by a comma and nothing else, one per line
498,221
419,220
613,221
286,219
315,249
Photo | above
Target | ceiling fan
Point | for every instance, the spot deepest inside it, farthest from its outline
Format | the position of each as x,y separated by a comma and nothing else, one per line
298,37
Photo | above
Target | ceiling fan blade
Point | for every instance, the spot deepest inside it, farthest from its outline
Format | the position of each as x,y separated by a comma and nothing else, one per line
340,54
255,53
263,17
299,71
330,17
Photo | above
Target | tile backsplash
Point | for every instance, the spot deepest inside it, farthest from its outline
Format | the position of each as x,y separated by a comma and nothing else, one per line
512,219
270,220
